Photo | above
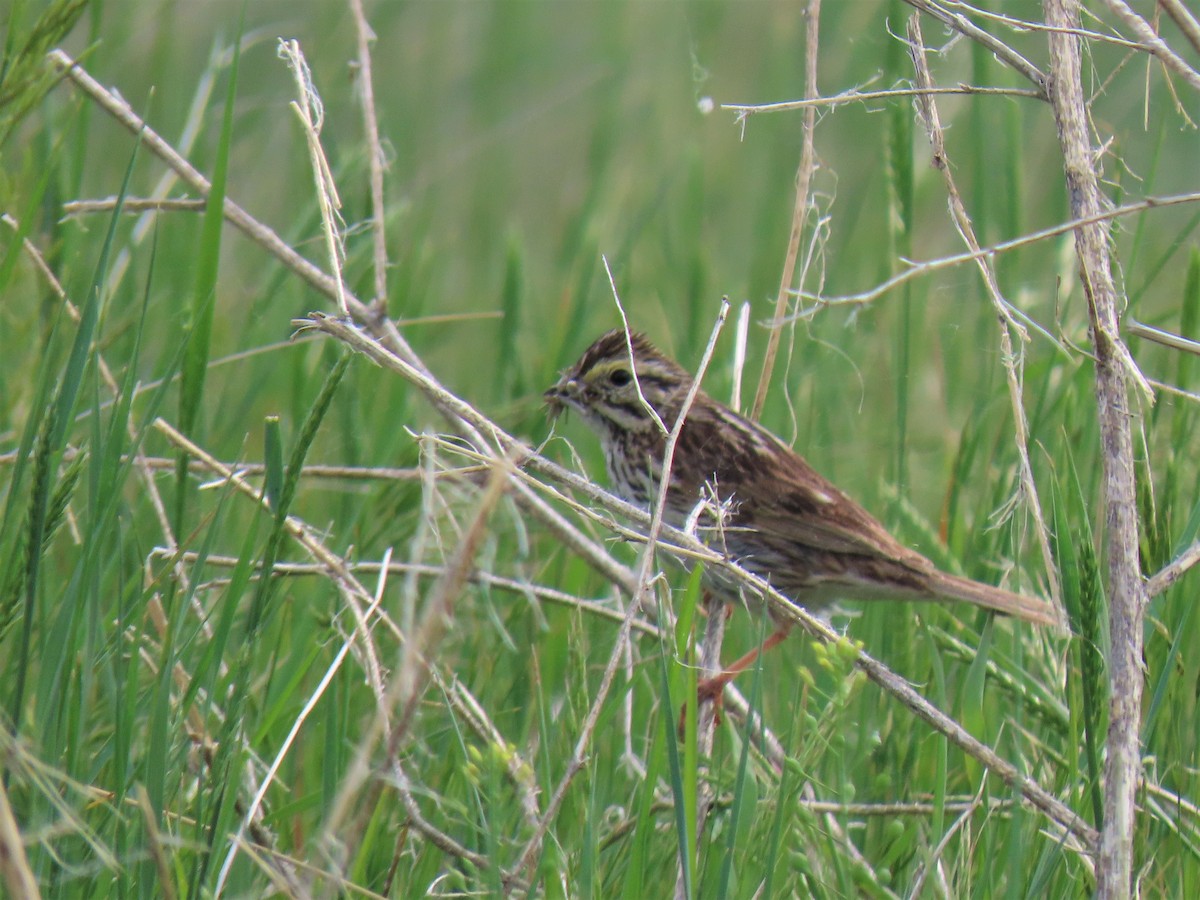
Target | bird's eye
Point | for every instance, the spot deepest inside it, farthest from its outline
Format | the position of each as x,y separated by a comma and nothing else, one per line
620,377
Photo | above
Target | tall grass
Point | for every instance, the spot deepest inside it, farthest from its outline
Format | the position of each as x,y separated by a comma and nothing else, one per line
150,672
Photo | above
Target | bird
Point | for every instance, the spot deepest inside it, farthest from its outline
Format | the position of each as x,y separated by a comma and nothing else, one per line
778,517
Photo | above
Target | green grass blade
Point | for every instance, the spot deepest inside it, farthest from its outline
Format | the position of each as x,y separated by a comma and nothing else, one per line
1182,634
1083,596
272,462
24,76
198,329
50,448
308,433
684,806
741,785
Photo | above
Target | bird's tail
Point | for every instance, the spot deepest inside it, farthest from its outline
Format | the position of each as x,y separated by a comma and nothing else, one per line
952,587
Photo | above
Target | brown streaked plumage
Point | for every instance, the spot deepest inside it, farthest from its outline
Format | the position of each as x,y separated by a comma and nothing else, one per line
785,522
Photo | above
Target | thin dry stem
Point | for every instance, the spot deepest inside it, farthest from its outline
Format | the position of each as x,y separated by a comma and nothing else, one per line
918,269
1114,372
14,864
331,670
366,85
1023,25
833,824
311,113
650,410
935,855
1006,324
407,683
261,234
512,585
857,95
158,852
73,208
1153,43
219,58
337,569
804,173
967,28
1184,20
439,839
1161,580
414,669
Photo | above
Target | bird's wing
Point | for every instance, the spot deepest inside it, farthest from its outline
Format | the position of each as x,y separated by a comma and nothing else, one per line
808,509
796,504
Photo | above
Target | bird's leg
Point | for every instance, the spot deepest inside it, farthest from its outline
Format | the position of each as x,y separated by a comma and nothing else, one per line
713,689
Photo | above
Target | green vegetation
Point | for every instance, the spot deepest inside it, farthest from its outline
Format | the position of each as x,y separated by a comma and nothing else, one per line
149,676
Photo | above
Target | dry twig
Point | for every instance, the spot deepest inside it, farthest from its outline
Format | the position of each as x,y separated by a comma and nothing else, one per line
1153,43
969,29
804,175
1007,325
366,86
1114,372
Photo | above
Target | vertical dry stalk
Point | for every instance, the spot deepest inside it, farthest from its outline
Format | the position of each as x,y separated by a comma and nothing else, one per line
366,87
415,667
800,208
14,865
311,113
1126,594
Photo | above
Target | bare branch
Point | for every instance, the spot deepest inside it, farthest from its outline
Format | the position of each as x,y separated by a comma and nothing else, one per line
854,95
1002,51
1153,43
1165,577
132,205
918,269
1184,19
1126,594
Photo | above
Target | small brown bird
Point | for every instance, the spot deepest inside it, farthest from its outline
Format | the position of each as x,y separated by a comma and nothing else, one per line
783,521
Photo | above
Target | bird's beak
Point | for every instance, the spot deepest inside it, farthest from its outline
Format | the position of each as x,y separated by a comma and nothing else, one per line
556,400
558,397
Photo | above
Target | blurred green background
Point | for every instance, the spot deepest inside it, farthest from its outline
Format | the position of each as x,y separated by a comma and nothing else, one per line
524,141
